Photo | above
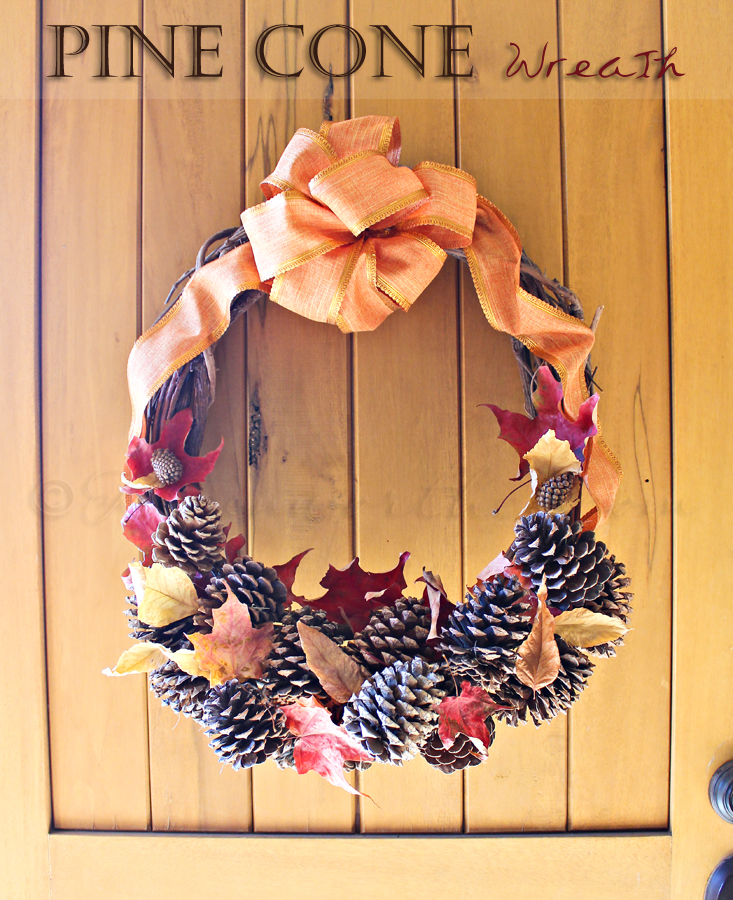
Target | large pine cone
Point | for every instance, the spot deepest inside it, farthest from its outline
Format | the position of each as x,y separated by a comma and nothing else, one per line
179,690
191,538
398,632
172,636
523,703
615,600
483,634
393,713
287,675
574,565
252,583
243,728
462,754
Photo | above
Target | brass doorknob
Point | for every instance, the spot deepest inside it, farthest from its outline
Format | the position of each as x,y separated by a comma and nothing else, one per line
720,791
720,883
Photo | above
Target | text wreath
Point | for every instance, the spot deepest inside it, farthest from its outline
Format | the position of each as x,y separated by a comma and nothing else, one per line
366,673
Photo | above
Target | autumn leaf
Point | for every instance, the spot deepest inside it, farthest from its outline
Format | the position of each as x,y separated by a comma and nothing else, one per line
523,433
234,649
353,595
323,746
497,566
440,605
234,546
583,628
547,459
538,658
142,657
339,674
139,524
286,573
467,715
164,595
172,437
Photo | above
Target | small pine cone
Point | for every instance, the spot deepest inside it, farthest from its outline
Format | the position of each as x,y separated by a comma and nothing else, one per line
394,632
288,675
394,712
252,583
172,636
191,538
483,634
574,565
167,466
555,491
243,728
547,702
462,754
615,600
284,756
179,690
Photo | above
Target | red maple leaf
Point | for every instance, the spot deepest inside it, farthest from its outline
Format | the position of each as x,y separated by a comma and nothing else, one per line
286,574
172,437
523,433
322,746
467,715
353,595
139,524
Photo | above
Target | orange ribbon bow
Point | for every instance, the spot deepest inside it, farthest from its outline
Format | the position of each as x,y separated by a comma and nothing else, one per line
347,236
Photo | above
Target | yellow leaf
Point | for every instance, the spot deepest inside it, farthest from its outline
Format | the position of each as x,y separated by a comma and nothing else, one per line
550,457
168,595
147,481
186,660
583,628
143,657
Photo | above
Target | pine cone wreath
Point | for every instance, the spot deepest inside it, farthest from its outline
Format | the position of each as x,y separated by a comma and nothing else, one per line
252,583
172,636
244,729
393,713
615,600
483,634
522,703
398,632
288,675
191,538
179,690
461,755
574,565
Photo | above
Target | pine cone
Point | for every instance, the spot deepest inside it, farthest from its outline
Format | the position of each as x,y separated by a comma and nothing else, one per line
483,634
394,633
614,601
284,757
462,754
393,713
288,675
191,538
243,728
179,690
166,465
575,566
172,636
547,702
554,492
252,583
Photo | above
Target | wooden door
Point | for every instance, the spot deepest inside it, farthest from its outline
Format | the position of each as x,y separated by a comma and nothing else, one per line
366,445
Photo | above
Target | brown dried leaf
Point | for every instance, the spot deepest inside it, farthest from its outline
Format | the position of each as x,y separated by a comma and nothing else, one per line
339,674
583,628
538,658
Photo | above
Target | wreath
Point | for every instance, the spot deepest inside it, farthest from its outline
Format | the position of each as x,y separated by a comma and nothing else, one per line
366,673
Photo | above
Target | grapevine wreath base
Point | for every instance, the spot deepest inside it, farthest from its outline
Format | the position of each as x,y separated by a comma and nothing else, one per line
366,673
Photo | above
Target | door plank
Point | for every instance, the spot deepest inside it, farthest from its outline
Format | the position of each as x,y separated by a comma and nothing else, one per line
298,389
513,150
406,422
619,768
24,773
700,122
635,867
193,187
91,201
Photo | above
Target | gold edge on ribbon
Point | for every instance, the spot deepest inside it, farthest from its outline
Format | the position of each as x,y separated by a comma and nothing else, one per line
386,136
339,164
434,248
393,293
478,283
389,210
278,183
440,221
320,139
308,256
348,271
447,170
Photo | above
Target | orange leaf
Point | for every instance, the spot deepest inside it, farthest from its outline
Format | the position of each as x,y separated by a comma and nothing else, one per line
234,649
538,658
338,673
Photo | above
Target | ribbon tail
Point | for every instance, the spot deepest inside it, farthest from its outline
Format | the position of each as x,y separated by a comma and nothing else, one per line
194,322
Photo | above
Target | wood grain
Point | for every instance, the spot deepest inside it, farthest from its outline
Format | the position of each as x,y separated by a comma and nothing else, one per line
24,769
554,868
406,420
615,186
90,182
192,187
513,150
298,386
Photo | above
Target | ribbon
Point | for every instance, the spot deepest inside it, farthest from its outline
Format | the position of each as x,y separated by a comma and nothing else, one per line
346,236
